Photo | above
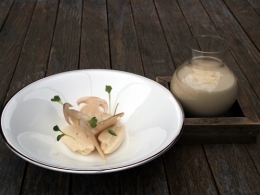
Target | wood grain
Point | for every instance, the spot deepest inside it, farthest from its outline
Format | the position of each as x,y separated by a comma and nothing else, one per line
154,178
233,169
94,52
11,41
124,49
187,171
155,53
256,5
11,171
34,57
175,29
95,184
64,55
247,17
43,181
5,7
253,150
131,181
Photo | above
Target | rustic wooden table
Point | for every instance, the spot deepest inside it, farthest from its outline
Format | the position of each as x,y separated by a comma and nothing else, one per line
146,37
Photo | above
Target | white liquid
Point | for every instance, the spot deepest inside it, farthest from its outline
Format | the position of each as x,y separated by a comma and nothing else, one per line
204,88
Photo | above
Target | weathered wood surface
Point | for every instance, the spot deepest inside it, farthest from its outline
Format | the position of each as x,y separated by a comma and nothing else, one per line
146,37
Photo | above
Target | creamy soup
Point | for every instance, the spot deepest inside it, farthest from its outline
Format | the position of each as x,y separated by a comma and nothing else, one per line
205,88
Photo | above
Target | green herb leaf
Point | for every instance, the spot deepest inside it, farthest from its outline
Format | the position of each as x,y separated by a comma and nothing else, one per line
93,122
56,98
56,128
108,88
60,136
112,132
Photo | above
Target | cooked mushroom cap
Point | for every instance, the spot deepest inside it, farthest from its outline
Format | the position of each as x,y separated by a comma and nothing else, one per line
112,121
92,107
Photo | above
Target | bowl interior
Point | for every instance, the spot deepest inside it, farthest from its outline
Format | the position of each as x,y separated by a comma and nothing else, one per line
153,119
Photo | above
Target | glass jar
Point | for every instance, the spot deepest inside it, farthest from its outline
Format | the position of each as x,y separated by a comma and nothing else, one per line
204,85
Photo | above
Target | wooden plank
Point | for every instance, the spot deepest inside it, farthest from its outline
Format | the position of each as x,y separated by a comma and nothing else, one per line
94,52
247,17
11,171
154,178
175,29
131,181
233,169
11,41
124,49
155,53
43,181
64,55
186,166
188,171
253,150
255,4
34,57
95,184
5,7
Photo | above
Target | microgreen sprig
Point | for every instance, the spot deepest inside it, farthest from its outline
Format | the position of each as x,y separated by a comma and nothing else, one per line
112,132
56,98
56,128
108,90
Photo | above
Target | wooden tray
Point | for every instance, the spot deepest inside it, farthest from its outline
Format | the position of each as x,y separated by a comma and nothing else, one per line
239,125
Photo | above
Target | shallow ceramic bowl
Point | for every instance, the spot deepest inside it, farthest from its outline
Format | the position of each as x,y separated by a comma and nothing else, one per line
153,120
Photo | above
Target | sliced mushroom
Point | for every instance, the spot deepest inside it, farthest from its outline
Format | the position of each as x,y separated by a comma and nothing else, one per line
112,121
88,131
67,113
72,116
92,107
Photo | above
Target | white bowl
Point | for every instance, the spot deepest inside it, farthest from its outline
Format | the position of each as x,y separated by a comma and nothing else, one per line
153,120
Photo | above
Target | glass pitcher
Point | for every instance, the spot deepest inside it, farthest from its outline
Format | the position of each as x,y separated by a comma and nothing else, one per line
204,85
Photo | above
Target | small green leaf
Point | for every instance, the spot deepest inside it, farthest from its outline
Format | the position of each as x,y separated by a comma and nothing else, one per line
56,128
93,122
112,132
108,88
56,98
60,136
